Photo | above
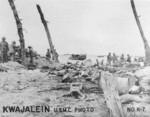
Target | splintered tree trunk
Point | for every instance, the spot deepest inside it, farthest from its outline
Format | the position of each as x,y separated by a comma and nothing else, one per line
147,48
109,86
54,53
19,28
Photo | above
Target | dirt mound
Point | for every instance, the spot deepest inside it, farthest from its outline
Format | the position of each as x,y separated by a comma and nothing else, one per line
11,66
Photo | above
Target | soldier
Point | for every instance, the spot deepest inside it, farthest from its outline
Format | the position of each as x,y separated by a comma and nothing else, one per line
12,51
26,52
128,58
18,53
109,58
48,54
115,59
102,62
122,59
135,59
31,54
4,50
56,54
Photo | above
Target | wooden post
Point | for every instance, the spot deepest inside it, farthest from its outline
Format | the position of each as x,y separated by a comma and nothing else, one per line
19,28
54,53
108,84
146,45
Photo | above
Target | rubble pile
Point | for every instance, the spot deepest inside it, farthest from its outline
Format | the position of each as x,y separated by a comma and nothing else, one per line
136,91
132,83
75,72
52,86
11,66
75,84
41,61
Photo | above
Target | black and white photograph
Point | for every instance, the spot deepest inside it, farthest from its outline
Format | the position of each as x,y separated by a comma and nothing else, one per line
74,58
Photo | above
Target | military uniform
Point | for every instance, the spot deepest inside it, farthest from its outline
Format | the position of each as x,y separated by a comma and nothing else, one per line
4,51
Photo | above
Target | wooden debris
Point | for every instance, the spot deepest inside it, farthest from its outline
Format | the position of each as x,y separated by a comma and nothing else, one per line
108,83
75,90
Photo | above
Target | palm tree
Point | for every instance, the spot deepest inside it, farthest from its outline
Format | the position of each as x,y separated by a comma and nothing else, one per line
19,28
146,45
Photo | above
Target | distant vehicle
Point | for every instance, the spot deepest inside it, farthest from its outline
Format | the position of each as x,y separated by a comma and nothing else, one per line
78,57
101,56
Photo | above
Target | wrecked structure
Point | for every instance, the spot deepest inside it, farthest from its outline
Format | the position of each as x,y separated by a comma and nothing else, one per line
78,56
87,89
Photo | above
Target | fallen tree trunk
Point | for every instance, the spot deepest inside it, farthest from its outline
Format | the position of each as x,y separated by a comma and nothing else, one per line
19,28
146,45
54,53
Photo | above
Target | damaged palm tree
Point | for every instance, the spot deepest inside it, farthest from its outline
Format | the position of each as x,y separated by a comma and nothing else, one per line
147,48
109,85
19,28
54,53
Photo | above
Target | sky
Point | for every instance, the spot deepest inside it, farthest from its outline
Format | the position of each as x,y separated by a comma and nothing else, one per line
93,27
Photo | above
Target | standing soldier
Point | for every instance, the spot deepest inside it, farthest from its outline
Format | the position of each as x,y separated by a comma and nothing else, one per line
135,59
109,58
4,50
115,59
31,54
122,59
54,56
48,54
128,58
102,62
12,51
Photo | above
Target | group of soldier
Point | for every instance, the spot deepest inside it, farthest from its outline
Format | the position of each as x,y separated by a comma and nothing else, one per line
12,52
7,51
50,55
113,58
